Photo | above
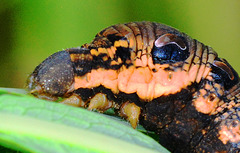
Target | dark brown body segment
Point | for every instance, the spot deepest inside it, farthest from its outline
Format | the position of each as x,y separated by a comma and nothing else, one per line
151,74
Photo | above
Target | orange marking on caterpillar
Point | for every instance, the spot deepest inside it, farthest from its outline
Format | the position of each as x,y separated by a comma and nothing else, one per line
230,133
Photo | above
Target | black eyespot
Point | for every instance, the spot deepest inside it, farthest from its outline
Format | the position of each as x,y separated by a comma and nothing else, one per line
224,73
169,48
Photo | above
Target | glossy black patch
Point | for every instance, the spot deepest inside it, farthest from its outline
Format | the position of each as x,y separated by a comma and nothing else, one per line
223,77
170,53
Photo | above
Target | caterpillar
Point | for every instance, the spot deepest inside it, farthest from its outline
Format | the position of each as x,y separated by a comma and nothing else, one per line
153,75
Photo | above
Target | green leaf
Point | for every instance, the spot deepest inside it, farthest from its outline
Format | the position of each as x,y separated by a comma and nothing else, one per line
33,125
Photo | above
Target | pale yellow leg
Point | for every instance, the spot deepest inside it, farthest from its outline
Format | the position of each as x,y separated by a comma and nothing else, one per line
74,100
131,112
100,102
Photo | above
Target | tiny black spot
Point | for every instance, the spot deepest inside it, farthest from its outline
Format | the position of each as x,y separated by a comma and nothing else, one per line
212,97
154,70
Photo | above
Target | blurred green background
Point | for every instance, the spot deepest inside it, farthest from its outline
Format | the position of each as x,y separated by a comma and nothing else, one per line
31,30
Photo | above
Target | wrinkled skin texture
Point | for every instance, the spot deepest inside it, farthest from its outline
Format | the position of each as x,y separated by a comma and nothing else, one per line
154,75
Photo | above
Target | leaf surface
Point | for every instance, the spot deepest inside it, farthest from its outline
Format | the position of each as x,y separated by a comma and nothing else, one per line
33,125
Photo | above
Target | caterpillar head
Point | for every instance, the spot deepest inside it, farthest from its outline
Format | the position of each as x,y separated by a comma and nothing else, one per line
53,78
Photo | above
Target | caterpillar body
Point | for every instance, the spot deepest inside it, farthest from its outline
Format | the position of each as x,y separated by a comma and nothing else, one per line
154,75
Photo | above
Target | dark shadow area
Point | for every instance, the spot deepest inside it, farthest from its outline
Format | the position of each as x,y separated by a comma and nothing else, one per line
6,43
